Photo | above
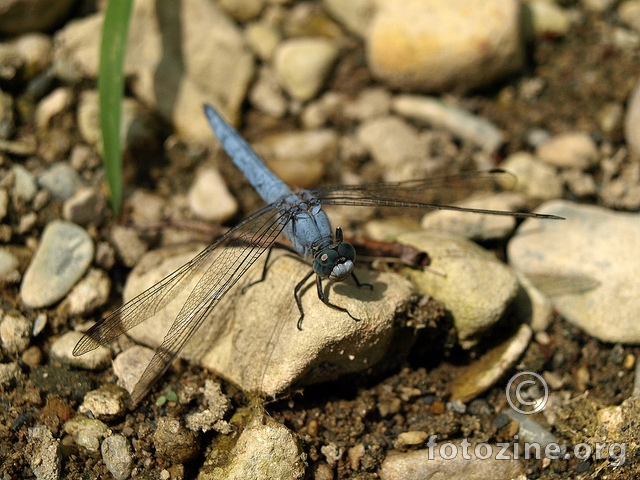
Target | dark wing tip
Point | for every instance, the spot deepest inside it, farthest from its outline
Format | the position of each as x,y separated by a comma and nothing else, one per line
86,344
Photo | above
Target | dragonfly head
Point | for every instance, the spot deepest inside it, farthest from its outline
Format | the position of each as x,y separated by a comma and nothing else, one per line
337,262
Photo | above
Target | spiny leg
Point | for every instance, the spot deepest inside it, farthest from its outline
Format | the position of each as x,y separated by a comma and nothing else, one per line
296,294
265,267
328,303
358,284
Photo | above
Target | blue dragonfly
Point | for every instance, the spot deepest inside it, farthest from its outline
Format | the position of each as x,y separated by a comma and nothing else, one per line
297,215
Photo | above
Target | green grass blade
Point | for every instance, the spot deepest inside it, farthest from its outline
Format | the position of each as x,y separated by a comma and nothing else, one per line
111,88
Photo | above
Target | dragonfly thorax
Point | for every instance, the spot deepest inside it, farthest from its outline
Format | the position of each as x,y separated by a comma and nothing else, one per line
336,262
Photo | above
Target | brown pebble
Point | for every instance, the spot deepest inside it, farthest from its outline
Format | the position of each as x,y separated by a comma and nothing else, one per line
32,356
312,428
629,361
438,408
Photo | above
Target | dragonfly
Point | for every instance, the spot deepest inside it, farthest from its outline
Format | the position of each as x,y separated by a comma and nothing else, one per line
300,217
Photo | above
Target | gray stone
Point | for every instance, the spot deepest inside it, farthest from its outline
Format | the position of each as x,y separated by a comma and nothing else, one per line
262,349
535,179
212,416
65,253
61,180
128,244
209,197
15,333
265,449
62,350
588,263
43,451
117,456
130,364
87,432
474,286
9,267
24,185
86,206
90,293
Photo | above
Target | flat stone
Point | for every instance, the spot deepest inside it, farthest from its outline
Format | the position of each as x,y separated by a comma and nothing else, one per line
90,293
65,252
569,150
130,364
588,263
61,180
87,205
24,186
15,333
473,285
62,350
87,432
265,449
209,197
128,244
107,403
252,340
117,456
433,46
353,14
9,264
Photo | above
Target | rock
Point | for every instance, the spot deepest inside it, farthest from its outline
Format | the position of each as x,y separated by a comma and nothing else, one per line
263,350
107,403
455,120
411,438
15,333
145,206
90,293
532,306
299,158
267,95
9,264
242,10
117,456
588,263
54,103
208,61
353,14
265,449
263,39
43,451
393,144
8,373
87,205
569,150
544,17
302,65
476,288
632,121
531,431
173,442
370,103
35,50
629,13
62,350
87,432
535,179
209,197
457,459
484,372
24,186
60,180
65,252
477,226
433,46
22,16
130,364
212,416
128,244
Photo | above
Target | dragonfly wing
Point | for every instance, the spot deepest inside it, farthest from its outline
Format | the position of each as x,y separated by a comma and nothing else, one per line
434,193
251,237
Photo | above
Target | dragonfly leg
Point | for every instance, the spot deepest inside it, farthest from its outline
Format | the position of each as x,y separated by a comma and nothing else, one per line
296,294
263,276
358,284
328,303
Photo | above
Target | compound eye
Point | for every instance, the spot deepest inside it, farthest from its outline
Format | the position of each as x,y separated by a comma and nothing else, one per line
346,250
324,261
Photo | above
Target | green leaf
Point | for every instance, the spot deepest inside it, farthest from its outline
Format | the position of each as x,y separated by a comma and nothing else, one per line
111,88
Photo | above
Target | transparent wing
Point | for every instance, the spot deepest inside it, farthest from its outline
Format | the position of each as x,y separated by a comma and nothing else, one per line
251,237
431,193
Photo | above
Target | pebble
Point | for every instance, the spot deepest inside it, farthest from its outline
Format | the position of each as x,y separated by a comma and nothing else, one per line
405,51
27,222
430,463
15,333
588,263
117,456
267,96
35,49
264,446
579,183
242,10
87,432
90,293
107,403
328,337
62,350
9,264
128,244
300,158
544,18
145,206
4,203
87,205
531,431
632,121
174,442
479,227
8,373
393,144
54,103
410,439
535,179
44,453
7,118
263,39
105,256
209,197
61,180
370,103
455,120
39,323
476,288
130,364
569,150
24,184
484,372
353,14
629,13
212,416
65,252
532,306
225,63
302,65
32,356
